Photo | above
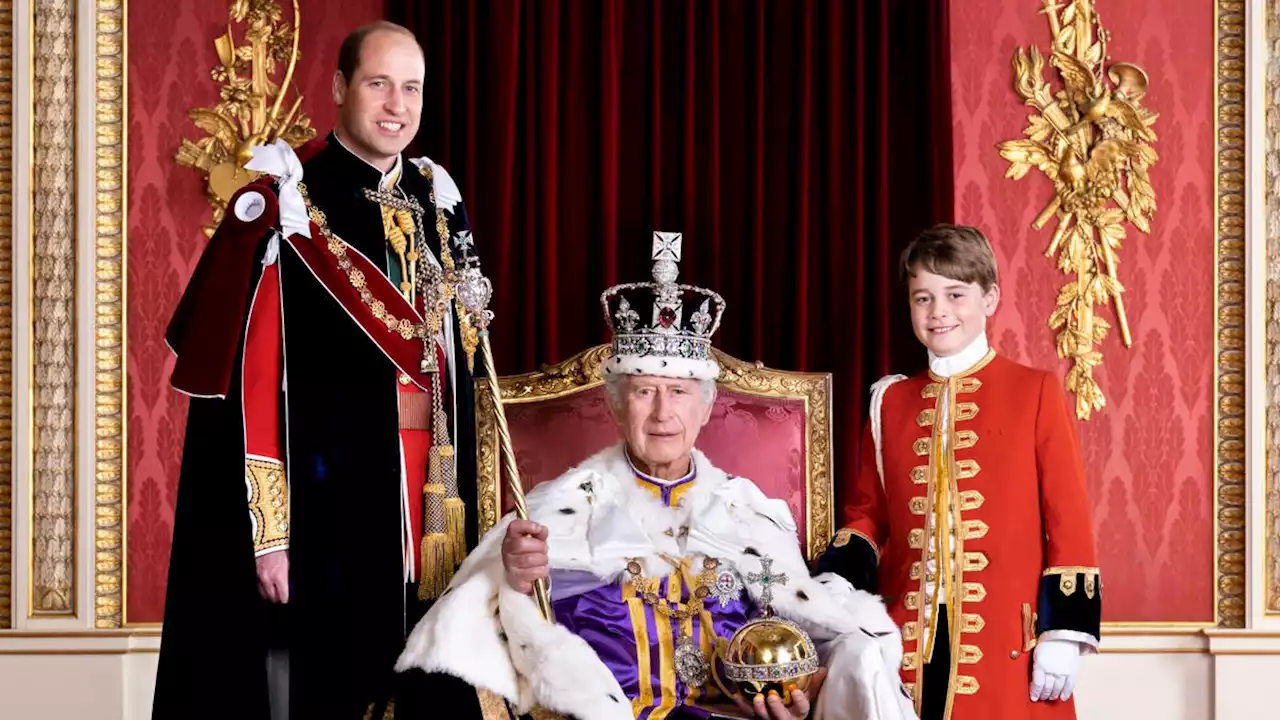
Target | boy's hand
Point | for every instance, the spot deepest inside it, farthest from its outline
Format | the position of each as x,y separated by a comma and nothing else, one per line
1053,676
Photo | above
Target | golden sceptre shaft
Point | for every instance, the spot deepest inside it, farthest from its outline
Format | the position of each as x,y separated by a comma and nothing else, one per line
474,291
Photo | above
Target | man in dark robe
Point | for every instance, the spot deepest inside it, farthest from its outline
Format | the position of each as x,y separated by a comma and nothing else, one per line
328,476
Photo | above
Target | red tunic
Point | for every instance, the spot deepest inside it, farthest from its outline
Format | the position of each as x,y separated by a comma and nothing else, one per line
1023,561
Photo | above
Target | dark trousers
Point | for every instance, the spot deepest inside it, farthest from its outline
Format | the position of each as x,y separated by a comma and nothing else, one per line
937,672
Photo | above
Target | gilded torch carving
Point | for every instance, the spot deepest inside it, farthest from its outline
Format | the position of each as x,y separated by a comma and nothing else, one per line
1092,138
249,112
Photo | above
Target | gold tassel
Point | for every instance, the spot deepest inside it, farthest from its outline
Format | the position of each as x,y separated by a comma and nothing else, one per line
455,516
437,565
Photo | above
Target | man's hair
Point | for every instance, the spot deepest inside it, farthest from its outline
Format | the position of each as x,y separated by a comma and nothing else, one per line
349,53
959,252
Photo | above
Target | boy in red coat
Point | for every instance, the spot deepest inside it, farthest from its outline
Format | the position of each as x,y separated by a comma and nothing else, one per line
969,513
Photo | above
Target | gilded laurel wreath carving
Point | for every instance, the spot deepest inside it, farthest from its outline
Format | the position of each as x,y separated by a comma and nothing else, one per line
249,111
1092,138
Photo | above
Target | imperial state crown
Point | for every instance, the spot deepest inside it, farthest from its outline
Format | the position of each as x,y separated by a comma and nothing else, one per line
672,343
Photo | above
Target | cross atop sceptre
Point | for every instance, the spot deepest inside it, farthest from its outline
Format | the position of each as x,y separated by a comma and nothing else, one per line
766,579
666,246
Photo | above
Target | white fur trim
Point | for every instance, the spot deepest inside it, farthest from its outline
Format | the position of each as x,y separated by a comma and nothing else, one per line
877,400
447,193
598,518
662,367
250,206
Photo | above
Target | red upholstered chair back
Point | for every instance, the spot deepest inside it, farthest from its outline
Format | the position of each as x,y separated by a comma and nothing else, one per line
771,426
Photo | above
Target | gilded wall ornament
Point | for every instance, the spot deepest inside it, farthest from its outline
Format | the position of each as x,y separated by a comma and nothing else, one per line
1092,138
249,112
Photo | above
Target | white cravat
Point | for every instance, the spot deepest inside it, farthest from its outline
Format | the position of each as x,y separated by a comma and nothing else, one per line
961,361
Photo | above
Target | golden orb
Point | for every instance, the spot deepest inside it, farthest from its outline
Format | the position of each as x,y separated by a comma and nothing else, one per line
770,653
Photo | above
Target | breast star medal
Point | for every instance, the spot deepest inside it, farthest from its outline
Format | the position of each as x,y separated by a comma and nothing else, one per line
727,586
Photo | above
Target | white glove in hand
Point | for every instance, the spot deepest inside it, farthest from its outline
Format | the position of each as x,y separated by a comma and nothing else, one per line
1053,676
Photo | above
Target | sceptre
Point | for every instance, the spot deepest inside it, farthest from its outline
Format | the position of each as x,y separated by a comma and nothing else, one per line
474,291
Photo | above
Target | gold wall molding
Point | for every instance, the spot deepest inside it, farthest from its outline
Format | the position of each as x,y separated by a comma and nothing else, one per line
1271,558
53,287
110,107
6,312
1229,313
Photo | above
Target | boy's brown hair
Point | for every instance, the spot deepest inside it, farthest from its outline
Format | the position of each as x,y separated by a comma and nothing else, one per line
959,252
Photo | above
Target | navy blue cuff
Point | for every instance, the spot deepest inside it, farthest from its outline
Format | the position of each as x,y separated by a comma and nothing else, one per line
853,558
1070,599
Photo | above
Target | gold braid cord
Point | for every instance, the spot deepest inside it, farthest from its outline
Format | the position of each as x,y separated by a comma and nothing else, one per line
1092,138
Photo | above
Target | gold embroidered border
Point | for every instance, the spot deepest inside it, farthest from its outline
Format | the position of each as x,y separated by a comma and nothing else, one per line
268,502
52,582
110,382
1229,313
584,371
6,313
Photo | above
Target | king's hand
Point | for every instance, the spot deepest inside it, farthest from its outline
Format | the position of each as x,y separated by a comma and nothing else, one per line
772,707
524,555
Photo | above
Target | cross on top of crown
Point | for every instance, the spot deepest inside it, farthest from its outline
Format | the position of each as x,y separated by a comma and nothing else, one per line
766,579
666,246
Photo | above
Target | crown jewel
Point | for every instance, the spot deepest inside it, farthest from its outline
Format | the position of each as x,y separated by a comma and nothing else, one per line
680,344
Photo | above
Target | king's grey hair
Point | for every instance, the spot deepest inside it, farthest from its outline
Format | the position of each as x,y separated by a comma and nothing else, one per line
614,382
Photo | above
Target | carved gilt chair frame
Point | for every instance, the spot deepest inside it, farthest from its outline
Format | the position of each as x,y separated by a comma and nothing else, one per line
582,372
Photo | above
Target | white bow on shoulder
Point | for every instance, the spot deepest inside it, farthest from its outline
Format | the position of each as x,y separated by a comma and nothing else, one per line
279,160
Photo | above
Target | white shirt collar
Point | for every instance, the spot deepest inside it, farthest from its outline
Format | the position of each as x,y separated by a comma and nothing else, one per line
389,178
961,361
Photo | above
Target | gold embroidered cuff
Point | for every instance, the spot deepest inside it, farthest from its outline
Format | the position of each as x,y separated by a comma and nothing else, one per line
268,504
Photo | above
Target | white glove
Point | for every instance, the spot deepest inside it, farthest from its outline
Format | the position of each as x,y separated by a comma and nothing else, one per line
1053,676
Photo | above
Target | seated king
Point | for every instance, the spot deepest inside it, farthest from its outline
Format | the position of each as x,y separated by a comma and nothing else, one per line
656,558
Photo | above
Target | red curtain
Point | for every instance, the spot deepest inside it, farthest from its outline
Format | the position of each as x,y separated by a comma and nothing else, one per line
797,144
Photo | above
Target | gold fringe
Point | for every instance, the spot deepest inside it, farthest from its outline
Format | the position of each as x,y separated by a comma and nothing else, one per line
455,520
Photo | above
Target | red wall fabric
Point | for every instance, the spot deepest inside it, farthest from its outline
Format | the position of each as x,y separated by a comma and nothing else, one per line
1149,454
170,48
